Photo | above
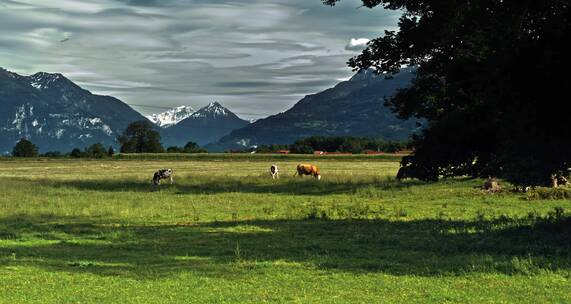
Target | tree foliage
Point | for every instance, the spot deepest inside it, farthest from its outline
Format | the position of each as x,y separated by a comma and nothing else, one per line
190,147
140,137
25,148
76,153
175,149
96,150
344,144
52,154
491,83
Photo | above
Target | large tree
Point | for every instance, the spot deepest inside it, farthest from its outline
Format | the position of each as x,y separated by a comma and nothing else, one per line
25,148
96,150
491,84
140,137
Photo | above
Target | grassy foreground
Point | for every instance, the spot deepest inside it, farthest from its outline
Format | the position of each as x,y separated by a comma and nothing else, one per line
80,231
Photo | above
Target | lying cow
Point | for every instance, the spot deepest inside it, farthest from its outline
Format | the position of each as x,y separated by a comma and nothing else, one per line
274,172
303,169
162,174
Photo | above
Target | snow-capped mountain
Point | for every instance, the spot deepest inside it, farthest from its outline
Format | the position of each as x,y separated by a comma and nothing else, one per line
171,117
212,110
56,114
206,125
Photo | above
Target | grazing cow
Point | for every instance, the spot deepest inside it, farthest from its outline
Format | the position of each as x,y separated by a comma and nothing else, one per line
162,174
274,172
303,169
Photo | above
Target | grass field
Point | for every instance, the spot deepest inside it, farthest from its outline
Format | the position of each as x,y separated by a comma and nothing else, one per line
85,231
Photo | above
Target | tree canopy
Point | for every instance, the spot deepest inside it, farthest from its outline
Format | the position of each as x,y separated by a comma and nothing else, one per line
25,148
96,150
140,137
490,82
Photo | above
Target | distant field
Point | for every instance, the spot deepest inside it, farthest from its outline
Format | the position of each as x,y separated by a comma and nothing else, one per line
259,157
87,231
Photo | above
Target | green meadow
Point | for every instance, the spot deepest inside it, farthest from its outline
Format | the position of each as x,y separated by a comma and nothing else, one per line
97,231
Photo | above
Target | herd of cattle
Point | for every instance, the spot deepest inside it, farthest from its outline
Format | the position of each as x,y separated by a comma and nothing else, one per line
301,170
306,169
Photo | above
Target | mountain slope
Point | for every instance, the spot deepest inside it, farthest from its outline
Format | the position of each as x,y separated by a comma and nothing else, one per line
204,126
351,108
171,117
56,114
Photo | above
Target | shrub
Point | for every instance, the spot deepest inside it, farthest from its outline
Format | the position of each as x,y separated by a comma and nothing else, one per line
52,154
175,149
542,193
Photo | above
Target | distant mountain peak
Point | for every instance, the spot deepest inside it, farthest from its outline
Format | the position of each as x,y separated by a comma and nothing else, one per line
43,80
206,125
212,110
172,116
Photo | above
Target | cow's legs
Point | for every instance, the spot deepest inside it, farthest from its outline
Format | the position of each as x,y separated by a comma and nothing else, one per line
171,179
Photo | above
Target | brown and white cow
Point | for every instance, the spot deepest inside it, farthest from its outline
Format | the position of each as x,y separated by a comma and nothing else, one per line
305,169
274,172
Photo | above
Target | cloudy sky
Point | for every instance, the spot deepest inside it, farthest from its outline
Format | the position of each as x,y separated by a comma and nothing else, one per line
257,57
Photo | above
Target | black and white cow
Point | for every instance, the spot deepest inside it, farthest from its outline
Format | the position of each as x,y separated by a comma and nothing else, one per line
274,172
163,174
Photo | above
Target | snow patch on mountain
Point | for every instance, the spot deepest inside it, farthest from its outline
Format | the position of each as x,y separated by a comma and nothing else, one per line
171,117
244,142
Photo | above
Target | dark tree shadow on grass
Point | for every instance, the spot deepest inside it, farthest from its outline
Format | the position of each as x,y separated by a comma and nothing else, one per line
297,186
421,247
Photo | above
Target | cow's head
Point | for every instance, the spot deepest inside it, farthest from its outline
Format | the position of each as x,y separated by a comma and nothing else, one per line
318,176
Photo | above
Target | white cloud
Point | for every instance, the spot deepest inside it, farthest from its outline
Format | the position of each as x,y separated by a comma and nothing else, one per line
357,44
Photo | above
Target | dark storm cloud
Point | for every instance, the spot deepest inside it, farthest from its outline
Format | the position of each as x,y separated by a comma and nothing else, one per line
256,56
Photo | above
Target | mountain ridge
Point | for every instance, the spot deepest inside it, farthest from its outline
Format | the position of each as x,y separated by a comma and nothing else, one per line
57,114
351,108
